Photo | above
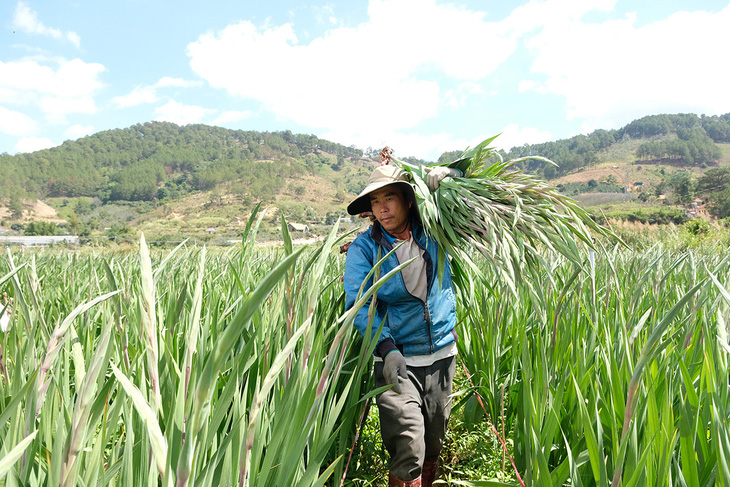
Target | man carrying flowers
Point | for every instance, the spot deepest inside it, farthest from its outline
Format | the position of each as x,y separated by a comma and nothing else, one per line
416,349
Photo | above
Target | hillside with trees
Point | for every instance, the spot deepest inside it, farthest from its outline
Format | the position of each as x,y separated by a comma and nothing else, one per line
684,139
171,180
122,177
155,160
657,169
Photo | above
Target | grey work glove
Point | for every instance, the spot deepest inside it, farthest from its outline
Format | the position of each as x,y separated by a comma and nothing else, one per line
394,366
437,173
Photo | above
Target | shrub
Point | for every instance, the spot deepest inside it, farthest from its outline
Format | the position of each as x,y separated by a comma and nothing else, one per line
698,226
40,228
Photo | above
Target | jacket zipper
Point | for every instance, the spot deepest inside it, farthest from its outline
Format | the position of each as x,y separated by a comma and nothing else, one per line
426,313
427,316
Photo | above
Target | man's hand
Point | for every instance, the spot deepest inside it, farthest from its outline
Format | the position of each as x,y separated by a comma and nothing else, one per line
394,366
436,174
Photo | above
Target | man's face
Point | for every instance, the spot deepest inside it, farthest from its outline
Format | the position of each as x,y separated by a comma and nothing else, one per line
390,207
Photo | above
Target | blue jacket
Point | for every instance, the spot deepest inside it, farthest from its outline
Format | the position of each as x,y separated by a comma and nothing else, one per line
412,326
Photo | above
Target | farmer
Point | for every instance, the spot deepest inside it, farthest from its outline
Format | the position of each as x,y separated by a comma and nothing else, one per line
415,351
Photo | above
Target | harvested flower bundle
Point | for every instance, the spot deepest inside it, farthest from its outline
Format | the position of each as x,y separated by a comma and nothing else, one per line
499,210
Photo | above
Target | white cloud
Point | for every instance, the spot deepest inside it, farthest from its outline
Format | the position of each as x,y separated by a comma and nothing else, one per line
552,14
231,116
375,78
166,82
180,114
32,144
324,14
76,131
383,77
57,108
149,94
139,96
16,123
57,86
428,147
26,20
514,136
527,85
614,72
74,38
458,98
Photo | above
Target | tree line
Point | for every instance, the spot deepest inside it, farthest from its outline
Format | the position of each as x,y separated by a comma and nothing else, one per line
686,139
154,160
158,161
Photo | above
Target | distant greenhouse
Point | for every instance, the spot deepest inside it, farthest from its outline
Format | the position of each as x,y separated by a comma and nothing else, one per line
38,241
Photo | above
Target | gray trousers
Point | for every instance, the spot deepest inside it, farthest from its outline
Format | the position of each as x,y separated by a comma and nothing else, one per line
413,424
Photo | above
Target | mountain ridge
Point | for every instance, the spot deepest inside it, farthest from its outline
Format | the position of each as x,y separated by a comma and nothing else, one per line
211,177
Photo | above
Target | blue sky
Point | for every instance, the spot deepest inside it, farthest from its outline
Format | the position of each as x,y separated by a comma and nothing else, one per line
422,76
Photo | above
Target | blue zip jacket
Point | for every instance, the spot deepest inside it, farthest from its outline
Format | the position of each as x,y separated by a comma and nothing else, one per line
411,326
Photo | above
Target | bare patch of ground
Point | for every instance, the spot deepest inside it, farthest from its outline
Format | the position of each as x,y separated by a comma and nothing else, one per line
35,210
598,174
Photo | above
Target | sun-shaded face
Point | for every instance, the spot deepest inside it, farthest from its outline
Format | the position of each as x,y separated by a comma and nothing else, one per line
390,207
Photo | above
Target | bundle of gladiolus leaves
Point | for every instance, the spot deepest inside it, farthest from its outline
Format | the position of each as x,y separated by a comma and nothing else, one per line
504,213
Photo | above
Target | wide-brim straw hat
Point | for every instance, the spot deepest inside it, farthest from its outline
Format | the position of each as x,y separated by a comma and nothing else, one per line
381,177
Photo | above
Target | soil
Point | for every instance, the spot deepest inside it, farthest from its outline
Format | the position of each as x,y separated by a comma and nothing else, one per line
598,174
36,210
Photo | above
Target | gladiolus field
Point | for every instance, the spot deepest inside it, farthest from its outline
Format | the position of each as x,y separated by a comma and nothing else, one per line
240,366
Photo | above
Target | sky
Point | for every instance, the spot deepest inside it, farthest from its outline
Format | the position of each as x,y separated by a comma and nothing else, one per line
422,76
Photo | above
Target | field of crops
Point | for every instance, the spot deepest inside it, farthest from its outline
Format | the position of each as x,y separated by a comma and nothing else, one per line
240,367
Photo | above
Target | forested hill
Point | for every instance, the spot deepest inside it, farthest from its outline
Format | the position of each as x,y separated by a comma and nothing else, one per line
682,139
173,180
159,160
